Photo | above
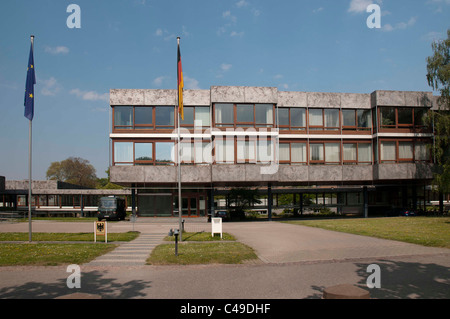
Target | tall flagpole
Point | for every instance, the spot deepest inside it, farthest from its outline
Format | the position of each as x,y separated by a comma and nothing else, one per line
30,166
179,162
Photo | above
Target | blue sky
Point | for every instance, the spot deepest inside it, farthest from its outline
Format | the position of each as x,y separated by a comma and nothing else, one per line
295,45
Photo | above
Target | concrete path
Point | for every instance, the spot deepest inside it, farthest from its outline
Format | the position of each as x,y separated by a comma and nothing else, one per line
276,242
134,253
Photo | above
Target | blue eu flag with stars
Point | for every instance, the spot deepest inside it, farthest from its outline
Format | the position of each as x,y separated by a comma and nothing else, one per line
29,88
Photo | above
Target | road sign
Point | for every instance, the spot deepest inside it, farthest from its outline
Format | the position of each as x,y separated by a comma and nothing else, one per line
100,229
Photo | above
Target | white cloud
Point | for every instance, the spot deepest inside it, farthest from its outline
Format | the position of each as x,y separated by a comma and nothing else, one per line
236,34
358,6
51,87
241,3
190,83
165,34
399,26
226,67
159,32
57,50
159,80
318,10
90,95
228,16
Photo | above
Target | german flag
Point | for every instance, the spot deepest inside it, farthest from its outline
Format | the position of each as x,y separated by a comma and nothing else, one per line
180,83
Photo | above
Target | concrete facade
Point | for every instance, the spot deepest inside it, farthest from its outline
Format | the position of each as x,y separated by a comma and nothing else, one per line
211,175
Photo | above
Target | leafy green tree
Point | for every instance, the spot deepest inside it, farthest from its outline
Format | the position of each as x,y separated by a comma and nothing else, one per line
73,170
438,76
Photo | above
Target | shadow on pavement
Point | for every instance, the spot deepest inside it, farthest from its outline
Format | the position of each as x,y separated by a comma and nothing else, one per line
403,280
92,282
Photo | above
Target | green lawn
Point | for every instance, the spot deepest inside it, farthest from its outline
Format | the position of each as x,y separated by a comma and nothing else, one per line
112,237
50,254
201,253
426,231
202,236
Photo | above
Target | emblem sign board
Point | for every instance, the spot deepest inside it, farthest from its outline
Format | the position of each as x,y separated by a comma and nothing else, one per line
100,229
216,224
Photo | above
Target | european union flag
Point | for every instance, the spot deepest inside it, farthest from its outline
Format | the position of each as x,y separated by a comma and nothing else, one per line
29,88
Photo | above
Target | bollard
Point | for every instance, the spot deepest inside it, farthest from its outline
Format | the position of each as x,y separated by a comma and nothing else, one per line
345,292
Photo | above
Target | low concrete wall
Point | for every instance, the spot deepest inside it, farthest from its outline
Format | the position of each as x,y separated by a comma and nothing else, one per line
403,171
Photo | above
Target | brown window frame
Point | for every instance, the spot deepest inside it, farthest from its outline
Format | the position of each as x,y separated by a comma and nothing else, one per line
136,128
356,161
290,127
236,124
323,128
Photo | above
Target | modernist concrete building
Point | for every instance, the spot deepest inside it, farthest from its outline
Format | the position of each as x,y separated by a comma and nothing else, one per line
353,152
53,197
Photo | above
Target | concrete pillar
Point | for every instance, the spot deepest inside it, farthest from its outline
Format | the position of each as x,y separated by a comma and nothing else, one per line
133,200
366,202
269,201
414,197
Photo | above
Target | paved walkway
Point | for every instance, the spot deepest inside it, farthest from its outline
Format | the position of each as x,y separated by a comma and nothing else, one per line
276,242
133,253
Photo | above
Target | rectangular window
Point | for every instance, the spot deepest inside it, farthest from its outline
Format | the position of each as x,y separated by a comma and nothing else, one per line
224,151
187,153
405,151
123,117
315,119
298,153
188,116
387,117
264,151
203,152
420,117
143,153
164,117
405,116
388,151
349,118
283,118
284,152
364,153
123,153
331,119
143,117
164,153
364,119
264,115
202,116
332,153
316,153
224,115
421,152
350,151
245,115
246,151
298,118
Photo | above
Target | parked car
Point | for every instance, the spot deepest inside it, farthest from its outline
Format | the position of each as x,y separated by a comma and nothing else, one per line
222,214
395,212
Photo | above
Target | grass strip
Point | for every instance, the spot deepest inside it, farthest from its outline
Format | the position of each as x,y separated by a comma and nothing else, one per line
426,231
202,236
201,253
112,237
50,254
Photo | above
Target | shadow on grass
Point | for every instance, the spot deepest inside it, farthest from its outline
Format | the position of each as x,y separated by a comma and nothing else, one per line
402,280
92,282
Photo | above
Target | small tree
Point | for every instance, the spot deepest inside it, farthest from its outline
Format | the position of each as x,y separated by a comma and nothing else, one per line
73,170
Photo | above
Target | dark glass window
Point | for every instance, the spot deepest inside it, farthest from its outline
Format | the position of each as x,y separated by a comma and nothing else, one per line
143,117
123,117
164,116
